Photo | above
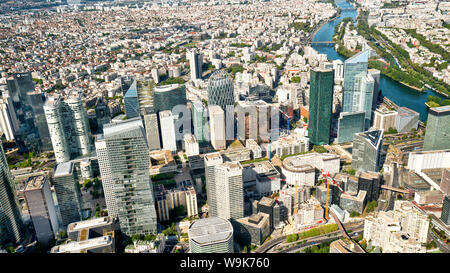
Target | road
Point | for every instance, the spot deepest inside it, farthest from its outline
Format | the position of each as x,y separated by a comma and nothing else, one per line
316,241
442,246
276,241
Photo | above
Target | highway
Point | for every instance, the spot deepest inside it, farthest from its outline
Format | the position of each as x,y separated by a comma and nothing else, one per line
442,246
276,241
318,240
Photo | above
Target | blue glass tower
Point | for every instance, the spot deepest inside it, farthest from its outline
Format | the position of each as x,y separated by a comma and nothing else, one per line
131,102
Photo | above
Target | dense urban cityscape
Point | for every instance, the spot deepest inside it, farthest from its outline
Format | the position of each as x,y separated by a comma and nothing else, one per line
225,126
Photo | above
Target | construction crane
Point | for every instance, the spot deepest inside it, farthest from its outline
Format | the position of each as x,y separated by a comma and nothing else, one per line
328,178
296,198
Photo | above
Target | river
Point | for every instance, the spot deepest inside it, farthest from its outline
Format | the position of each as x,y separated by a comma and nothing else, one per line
396,92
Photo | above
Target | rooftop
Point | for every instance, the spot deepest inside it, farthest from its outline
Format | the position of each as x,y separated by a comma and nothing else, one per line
83,246
63,169
210,230
35,182
92,223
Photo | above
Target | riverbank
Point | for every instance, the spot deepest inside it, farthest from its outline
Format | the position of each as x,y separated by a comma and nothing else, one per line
397,92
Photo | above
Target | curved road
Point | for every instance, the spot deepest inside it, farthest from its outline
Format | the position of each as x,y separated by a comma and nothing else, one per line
276,241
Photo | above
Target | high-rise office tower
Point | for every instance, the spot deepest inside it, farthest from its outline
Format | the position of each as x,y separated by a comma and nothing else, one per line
199,114
37,101
375,73
229,190
41,208
102,113
124,161
131,102
195,64
68,126
445,215
68,194
217,127
437,135
166,97
220,89
355,68
358,89
367,152
28,107
11,225
349,124
320,106
152,129
8,120
168,136
211,160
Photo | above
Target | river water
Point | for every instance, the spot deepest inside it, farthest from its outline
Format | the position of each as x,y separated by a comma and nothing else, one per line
396,92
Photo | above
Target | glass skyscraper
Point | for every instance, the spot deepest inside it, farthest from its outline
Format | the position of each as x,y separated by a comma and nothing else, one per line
220,90
131,102
437,135
28,105
355,68
123,158
349,124
367,151
67,188
320,106
357,96
198,119
11,225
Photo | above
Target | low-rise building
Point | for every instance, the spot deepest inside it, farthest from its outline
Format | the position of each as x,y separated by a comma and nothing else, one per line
253,229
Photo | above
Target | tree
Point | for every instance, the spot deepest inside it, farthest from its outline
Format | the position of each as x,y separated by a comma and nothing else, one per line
296,79
354,214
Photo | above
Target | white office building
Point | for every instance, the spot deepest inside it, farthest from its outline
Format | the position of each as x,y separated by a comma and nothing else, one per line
217,127
166,120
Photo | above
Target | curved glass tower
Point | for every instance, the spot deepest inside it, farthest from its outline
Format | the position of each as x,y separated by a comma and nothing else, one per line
220,89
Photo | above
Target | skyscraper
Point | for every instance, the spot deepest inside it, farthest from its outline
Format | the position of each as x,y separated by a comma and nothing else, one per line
320,106
217,127
11,225
198,120
358,88
220,89
437,135
41,208
152,129
229,190
445,215
8,120
367,152
355,68
68,126
375,73
32,134
195,64
124,161
211,160
131,102
67,188
349,124
168,136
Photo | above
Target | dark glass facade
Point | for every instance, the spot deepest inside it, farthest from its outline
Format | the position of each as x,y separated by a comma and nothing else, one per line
320,106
